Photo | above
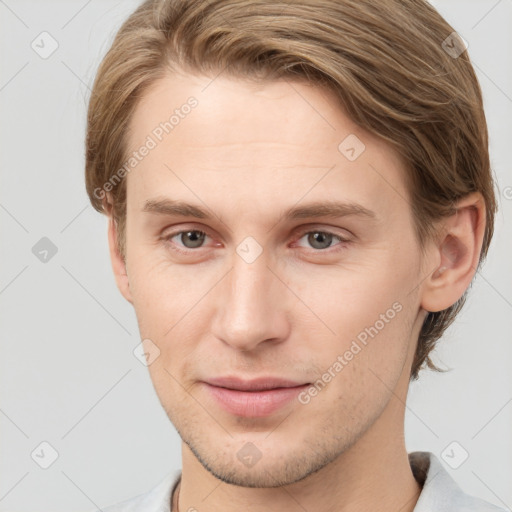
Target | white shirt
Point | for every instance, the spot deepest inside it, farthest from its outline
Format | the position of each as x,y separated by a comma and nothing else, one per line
440,492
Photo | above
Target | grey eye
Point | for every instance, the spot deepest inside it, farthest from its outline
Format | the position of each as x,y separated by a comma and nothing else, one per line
191,239
319,239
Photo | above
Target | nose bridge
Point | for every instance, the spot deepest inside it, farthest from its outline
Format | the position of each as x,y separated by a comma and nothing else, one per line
251,306
251,280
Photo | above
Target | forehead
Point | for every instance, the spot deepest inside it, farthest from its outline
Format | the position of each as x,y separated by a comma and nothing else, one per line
238,143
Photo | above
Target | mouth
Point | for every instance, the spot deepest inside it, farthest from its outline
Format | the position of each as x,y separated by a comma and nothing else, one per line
253,398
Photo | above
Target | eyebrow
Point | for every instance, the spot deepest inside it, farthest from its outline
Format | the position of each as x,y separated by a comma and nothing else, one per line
331,209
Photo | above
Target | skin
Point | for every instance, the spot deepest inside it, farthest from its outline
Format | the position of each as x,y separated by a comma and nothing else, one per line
248,152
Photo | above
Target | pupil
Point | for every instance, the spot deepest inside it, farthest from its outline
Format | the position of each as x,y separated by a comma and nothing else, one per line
196,238
320,238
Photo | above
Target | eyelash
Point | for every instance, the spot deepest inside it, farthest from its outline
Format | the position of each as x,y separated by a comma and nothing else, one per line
343,241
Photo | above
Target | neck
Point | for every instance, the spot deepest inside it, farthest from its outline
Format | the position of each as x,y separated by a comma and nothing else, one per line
372,474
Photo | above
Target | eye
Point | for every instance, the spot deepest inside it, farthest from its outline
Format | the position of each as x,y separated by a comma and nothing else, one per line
188,239
321,240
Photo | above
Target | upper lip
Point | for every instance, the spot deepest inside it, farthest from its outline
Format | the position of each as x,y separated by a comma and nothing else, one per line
259,384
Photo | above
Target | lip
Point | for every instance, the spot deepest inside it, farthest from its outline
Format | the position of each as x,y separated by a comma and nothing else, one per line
259,384
253,398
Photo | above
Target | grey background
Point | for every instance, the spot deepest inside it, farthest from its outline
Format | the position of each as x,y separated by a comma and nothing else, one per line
68,373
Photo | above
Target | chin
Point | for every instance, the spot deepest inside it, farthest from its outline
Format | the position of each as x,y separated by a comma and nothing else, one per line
271,467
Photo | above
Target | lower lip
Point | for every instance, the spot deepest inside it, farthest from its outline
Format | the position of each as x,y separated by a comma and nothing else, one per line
253,403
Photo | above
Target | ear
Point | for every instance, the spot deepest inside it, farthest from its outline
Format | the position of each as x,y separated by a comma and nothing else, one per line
455,255
118,263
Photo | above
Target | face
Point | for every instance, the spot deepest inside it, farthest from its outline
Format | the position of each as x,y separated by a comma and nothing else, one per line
258,280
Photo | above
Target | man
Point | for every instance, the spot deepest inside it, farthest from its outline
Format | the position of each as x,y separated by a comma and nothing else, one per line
299,196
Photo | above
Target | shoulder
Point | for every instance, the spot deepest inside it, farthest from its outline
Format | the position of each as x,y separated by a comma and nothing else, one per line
440,491
157,499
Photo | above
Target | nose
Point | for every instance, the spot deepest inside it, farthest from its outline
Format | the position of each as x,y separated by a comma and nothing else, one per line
252,306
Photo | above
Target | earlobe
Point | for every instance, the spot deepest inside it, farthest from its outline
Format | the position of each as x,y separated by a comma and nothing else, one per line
456,254
118,263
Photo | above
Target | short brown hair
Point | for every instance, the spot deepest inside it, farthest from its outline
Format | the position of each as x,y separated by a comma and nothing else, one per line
387,63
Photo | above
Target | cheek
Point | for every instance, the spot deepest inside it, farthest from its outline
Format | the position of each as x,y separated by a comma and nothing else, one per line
172,307
370,315
361,372
351,298
158,288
